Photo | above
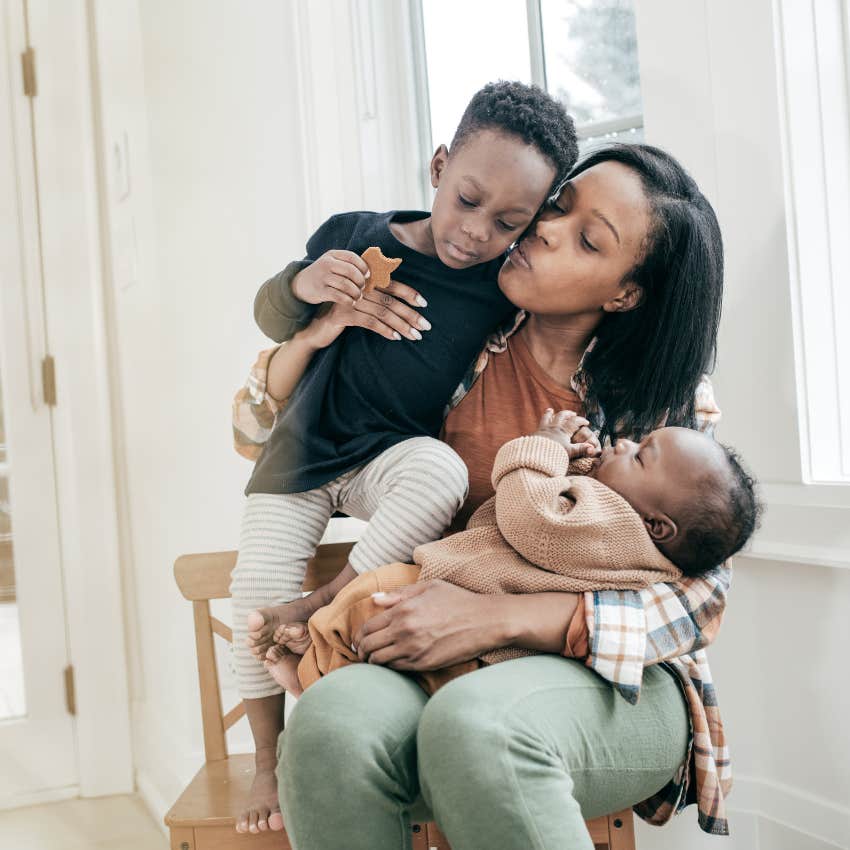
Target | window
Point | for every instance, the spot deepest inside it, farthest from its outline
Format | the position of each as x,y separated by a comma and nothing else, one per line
591,65
582,51
814,40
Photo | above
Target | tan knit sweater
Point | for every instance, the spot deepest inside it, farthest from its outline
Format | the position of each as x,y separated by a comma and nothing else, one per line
546,530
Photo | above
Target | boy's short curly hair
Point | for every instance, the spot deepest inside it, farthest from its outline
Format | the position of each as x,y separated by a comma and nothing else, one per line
524,111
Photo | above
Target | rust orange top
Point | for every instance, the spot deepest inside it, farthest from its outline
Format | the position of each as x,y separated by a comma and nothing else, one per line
517,391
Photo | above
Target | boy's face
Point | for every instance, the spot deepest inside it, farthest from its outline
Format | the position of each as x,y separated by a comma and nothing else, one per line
488,192
661,475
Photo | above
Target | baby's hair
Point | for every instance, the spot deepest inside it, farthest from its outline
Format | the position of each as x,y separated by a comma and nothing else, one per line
721,522
527,112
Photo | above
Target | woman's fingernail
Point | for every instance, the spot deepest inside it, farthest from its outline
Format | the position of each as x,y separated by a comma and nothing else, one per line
378,594
415,333
424,324
353,648
368,274
421,301
396,335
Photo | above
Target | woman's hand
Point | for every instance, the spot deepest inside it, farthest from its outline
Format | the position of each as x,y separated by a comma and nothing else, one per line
382,311
428,626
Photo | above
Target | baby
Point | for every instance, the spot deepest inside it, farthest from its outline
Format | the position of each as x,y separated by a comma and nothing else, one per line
677,503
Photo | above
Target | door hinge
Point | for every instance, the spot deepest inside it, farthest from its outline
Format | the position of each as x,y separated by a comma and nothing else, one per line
70,693
48,380
28,64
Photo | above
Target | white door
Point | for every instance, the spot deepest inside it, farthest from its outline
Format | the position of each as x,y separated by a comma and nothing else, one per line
37,749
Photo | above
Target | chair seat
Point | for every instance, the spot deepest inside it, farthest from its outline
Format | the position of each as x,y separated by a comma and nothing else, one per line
203,819
203,816
212,797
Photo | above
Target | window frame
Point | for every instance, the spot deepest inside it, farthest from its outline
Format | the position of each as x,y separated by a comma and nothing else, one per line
813,41
537,57
537,54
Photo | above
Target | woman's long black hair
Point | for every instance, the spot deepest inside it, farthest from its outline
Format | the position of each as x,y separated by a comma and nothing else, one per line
646,364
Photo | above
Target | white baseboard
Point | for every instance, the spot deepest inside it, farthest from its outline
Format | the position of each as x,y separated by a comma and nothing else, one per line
48,795
167,765
793,808
763,815
154,802
775,836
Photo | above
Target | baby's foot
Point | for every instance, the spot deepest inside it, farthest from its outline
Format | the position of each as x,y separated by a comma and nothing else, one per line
283,668
264,622
262,809
293,636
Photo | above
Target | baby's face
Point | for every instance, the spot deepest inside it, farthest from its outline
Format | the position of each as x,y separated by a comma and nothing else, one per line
662,472
488,192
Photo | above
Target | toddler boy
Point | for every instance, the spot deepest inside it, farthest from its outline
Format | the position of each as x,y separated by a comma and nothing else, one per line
358,432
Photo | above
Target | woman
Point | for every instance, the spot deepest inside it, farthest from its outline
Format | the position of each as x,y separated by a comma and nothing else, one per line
619,285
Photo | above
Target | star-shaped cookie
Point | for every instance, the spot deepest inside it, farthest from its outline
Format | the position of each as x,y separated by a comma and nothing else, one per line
380,268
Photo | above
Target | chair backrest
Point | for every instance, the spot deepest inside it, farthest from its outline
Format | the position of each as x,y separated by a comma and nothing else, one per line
205,577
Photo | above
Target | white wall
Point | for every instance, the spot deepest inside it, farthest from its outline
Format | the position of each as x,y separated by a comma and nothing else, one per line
224,195
217,106
216,208
780,660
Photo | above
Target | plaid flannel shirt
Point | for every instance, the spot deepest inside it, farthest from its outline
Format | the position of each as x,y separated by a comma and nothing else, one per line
668,624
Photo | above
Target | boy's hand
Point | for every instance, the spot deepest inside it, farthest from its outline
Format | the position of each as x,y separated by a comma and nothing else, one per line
337,276
571,431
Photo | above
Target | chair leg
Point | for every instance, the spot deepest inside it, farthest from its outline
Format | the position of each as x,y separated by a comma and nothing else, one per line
435,840
182,838
420,836
621,831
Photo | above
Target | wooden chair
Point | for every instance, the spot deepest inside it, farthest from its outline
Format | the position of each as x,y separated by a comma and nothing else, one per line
203,816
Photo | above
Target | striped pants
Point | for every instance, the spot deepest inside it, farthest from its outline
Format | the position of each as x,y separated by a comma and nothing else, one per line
409,495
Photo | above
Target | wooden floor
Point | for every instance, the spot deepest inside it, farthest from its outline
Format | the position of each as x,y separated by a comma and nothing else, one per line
105,823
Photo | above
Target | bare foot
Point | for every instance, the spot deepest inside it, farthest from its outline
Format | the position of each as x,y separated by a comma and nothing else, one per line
283,668
294,636
262,810
264,622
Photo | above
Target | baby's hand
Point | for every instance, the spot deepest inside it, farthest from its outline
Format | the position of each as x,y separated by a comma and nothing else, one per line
571,431
585,436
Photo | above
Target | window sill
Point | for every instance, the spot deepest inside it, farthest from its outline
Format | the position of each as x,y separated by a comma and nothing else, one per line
804,524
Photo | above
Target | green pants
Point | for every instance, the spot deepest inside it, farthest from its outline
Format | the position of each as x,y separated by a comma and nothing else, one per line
511,757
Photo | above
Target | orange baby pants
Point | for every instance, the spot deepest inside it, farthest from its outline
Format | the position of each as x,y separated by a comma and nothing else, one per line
333,628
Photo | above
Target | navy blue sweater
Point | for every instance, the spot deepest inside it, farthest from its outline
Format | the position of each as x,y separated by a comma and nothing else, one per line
364,393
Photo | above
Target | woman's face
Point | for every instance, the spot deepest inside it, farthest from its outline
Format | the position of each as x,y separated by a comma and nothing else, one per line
578,253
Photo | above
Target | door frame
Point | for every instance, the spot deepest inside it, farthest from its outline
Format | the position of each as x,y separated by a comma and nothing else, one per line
39,747
69,181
